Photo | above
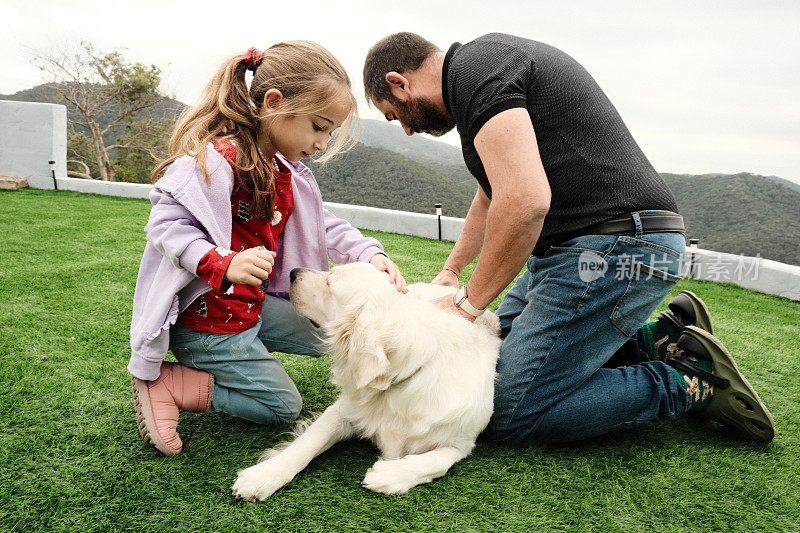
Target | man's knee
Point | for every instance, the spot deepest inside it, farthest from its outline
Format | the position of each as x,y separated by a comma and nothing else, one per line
511,427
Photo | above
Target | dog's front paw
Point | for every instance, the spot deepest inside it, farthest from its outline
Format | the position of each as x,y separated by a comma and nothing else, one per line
260,481
392,477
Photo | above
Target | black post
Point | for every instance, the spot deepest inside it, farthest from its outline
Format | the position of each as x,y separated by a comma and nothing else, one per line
439,219
692,251
53,172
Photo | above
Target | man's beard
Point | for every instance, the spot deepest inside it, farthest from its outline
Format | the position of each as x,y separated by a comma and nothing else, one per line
421,115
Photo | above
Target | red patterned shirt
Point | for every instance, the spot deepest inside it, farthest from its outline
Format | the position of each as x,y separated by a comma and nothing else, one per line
234,307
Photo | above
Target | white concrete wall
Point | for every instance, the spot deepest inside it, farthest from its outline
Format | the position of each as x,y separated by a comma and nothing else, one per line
107,188
31,135
393,221
754,273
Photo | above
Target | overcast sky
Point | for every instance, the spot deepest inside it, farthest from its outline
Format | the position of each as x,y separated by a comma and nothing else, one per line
706,86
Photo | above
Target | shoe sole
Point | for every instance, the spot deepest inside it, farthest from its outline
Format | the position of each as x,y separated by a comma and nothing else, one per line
144,417
752,421
702,316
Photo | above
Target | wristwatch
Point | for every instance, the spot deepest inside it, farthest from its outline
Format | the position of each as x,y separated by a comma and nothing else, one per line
460,300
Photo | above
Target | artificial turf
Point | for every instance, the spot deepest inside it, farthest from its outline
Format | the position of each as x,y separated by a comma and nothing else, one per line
71,458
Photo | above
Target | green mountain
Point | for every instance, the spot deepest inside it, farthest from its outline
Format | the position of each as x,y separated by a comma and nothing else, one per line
781,181
439,156
45,94
381,178
390,136
741,213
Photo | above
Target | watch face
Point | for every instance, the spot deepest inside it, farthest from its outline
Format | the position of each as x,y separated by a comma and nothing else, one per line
461,295
462,302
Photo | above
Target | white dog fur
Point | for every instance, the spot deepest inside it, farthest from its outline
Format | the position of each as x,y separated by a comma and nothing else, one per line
416,380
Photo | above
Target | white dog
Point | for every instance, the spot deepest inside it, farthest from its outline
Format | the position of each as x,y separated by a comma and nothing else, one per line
416,380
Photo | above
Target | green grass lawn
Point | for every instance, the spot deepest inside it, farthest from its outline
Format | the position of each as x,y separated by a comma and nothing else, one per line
71,458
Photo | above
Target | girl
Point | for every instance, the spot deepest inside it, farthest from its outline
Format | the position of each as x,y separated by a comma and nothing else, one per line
234,213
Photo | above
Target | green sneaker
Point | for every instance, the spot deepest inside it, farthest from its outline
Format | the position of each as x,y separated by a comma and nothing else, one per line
661,336
687,309
734,402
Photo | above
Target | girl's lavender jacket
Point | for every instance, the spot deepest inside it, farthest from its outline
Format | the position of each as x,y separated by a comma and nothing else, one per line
189,217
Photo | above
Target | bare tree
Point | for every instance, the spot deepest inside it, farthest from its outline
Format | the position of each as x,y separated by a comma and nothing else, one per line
107,90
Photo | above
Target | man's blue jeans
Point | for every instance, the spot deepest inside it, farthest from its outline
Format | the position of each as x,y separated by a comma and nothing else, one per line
573,309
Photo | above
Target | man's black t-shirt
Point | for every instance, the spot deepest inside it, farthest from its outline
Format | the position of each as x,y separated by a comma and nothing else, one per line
595,169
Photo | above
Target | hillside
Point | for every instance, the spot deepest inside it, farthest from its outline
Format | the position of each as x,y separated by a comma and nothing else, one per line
389,135
740,214
729,213
441,157
44,94
787,183
381,178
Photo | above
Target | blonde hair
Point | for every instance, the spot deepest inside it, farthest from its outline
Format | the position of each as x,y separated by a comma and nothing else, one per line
308,76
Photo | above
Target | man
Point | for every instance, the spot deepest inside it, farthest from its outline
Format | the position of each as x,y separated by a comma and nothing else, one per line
566,192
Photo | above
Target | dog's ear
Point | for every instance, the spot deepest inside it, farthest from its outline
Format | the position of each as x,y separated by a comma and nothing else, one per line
368,358
372,368
358,343
356,334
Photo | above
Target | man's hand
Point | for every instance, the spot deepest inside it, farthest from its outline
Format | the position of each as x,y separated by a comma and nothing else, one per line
252,266
446,277
384,264
448,303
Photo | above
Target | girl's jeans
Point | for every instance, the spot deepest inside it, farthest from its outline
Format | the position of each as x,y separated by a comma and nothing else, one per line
573,309
250,383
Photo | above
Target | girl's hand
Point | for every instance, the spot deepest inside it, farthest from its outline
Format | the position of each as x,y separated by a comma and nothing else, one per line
446,277
252,266
384,264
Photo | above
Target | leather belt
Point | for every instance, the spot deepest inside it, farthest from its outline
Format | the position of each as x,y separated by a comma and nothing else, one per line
648,223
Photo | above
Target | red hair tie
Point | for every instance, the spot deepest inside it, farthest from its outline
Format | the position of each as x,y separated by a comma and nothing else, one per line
252,59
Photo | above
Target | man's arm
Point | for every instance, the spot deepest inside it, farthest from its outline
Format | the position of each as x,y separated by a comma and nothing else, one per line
469,242
509,152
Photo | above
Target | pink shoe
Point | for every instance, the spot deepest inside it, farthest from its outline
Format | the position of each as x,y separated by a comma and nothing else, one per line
157,403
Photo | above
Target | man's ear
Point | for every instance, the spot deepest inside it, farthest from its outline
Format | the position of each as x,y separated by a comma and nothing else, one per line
398,85
371,369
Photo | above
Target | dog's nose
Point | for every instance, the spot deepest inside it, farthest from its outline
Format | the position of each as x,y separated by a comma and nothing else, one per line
293,274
